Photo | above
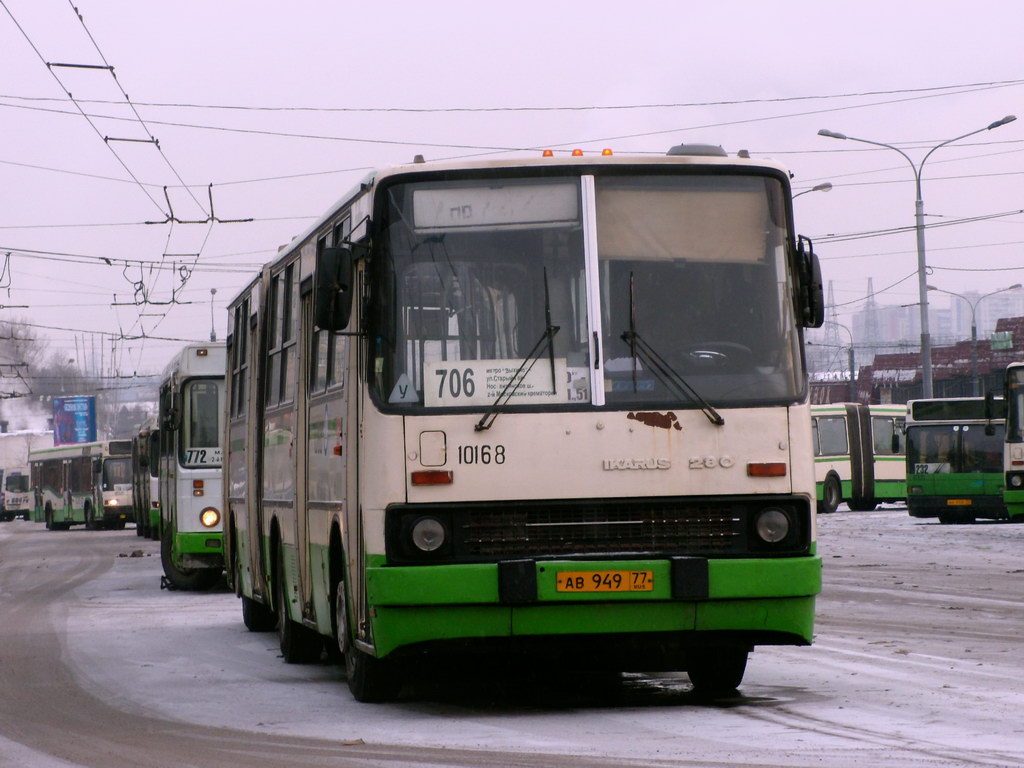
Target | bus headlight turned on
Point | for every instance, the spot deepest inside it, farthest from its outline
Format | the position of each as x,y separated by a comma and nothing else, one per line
772,525
428,534
209,517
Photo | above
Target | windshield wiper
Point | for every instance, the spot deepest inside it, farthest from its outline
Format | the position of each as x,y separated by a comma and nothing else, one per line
640,350
548,337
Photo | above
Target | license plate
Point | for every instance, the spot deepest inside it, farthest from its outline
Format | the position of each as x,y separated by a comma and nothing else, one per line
604,581
958,502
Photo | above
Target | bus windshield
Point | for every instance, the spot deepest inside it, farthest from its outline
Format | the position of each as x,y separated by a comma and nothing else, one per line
117,474
202,422
16,483
498,280
946,448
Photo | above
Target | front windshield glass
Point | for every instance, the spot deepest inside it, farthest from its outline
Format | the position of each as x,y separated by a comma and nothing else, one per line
694,268
476,276
117,474
202,423
473,273
942,449
16,483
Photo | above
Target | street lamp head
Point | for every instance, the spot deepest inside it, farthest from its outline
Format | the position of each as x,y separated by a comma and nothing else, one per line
831,134
1004,121
1014,287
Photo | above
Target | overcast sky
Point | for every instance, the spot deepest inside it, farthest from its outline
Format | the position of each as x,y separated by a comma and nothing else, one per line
282,107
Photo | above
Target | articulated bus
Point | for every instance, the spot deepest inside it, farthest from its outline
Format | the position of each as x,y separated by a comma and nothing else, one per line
146,480
191,421
955,458
83,483
16,500
1013,450
859,455
550,409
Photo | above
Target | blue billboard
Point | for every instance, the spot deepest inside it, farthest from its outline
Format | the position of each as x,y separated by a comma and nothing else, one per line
74,419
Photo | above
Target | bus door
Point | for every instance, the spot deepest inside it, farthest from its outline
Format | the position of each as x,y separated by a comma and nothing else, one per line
302,512
862,464
357,468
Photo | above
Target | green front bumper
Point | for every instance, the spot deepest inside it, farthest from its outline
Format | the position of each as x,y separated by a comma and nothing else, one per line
413,604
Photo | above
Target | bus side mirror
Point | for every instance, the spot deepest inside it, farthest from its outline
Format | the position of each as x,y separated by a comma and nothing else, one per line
812,295
172,414
97,466
990,409
332,289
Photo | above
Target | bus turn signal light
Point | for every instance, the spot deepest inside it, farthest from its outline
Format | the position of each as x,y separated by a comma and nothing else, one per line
766,469
432,477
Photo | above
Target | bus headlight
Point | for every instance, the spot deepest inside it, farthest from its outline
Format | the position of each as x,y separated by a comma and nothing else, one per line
1016,480
428,534
209,517
772,525
111,502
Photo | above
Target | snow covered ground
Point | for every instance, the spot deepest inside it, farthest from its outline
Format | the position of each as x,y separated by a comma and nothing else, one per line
916,662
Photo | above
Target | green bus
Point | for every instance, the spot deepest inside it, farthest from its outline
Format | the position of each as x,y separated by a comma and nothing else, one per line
858,455
955,458
1013,448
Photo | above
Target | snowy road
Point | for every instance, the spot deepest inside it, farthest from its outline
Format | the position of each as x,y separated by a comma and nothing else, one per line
917,662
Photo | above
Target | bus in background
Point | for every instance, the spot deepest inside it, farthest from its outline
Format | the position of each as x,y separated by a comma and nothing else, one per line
17,494
146,480
859,455
1013,450
83,484
191,417
955,458
497,406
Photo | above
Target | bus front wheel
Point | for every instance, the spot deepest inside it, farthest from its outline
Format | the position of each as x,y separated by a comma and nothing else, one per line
831,495
370,679
191,579
716,672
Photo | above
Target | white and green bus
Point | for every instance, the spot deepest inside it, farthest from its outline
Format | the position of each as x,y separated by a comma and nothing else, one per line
1013,449
859,455
191,421
548,406
86,484
146,479
955,458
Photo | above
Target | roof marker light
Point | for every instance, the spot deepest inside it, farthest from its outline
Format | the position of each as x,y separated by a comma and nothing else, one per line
548,153
577,153
607,152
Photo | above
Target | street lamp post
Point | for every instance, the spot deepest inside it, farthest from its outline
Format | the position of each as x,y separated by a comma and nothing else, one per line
851,361
824,187
926,344
975,381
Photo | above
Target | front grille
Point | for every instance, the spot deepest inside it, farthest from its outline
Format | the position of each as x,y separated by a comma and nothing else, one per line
503,533
488,532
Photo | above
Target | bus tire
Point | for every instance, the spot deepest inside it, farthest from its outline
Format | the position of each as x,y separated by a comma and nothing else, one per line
716,672
862,506
371,680
831,495
256,616
191,579
299,644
